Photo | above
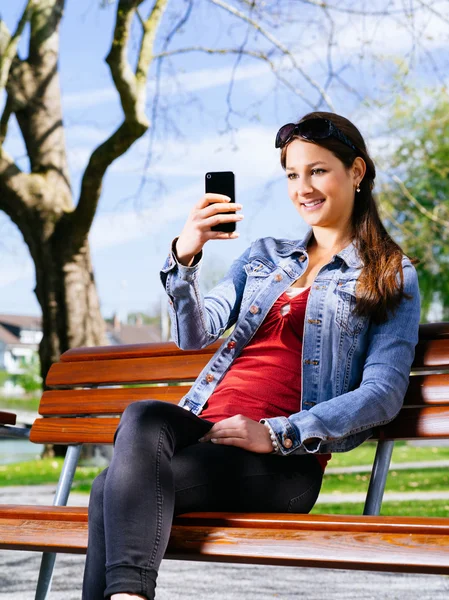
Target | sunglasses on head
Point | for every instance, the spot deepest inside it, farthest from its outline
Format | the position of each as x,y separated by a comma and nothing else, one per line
312,129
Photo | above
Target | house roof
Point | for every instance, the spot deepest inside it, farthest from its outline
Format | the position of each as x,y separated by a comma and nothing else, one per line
22,321
133,334
7,337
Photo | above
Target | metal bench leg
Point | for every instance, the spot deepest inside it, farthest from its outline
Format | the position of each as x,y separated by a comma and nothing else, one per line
378,477
60,499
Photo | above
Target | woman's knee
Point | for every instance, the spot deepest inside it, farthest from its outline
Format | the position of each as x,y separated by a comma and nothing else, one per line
142,418
145,411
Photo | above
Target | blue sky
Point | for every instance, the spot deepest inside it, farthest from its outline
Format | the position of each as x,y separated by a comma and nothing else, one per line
131,234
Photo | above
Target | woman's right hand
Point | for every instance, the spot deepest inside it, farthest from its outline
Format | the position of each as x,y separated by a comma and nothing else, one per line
197,230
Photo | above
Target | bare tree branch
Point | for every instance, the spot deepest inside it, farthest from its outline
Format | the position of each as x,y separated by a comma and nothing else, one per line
9,47
429,7
251,53
240,53
131,87
353,11
8,50
275,42
159,58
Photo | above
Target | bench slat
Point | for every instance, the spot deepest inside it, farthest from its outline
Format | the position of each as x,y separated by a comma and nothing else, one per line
132,351
356,523
404,552
427,389
431,353
104,401
43,512
97,430
129,370
423,390
417,423
412,423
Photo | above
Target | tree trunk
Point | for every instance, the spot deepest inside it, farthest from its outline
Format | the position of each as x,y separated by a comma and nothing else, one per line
65,289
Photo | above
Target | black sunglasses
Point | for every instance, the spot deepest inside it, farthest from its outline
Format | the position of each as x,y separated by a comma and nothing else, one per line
312,129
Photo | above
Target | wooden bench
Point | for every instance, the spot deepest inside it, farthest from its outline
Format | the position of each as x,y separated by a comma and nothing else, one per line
83,407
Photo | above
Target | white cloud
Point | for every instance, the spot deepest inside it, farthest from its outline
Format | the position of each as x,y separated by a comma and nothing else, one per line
89,98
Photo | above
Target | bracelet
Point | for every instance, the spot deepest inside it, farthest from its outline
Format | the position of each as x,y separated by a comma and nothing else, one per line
273,437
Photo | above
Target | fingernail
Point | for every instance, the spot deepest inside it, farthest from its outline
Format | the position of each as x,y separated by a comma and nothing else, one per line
214,440
201,439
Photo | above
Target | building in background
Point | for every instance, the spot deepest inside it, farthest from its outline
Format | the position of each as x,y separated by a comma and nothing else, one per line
19,344
20,336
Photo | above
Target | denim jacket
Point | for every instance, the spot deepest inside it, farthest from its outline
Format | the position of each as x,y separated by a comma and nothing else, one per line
354,373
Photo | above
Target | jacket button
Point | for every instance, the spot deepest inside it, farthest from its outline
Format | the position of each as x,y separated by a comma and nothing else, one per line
278,277
287,443
209,377
302,258
254,309
231,345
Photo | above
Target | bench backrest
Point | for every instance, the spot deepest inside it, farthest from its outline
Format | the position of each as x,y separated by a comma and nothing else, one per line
89,383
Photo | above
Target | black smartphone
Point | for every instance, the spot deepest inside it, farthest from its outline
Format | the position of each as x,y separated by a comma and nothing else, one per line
221,182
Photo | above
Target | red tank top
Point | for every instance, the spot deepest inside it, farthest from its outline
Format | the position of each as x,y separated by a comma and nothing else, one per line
265,379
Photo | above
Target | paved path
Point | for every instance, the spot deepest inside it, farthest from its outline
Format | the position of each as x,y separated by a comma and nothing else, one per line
182,580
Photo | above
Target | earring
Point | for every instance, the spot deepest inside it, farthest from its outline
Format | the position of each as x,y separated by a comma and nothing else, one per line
358,187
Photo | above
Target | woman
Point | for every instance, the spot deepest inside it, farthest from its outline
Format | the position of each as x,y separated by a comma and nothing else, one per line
258,428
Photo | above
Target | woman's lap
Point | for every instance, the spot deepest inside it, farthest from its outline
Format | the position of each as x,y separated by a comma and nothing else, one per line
215,477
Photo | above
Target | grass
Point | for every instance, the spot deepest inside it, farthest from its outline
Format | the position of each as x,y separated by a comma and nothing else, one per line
47,470
403,452
428,508
424,480
15,404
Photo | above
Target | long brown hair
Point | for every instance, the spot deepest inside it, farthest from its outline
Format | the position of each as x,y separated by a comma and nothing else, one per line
378,290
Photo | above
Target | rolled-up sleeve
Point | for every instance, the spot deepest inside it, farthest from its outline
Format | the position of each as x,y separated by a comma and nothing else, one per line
199,320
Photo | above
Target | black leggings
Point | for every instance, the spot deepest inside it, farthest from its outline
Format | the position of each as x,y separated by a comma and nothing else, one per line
159,469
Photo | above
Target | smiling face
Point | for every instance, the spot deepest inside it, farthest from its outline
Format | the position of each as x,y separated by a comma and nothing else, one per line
315,173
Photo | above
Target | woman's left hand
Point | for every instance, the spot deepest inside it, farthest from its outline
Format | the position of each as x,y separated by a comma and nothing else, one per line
242,432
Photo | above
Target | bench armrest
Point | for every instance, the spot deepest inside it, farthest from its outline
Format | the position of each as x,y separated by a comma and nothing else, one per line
7,418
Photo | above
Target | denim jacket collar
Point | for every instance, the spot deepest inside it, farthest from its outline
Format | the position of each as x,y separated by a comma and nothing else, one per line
350,255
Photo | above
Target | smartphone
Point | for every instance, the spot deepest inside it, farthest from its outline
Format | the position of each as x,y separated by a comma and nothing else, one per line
221,182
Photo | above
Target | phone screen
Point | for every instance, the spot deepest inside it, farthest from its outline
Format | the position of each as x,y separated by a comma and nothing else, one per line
221,182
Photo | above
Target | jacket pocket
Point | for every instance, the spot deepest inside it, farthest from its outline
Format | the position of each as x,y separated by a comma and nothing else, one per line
345,318
257,270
